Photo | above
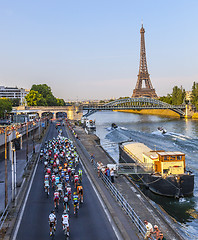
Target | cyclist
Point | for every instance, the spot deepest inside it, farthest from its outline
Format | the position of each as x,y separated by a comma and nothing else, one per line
80,174
72,173
80,192
46,186
67,178
76,178
52,221
46,176
60,189
65,221
48,171
45,163
56,198
75,202
68,189
66,202
53,179
57,180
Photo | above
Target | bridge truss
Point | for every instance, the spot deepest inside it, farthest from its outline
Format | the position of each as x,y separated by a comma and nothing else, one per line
134,104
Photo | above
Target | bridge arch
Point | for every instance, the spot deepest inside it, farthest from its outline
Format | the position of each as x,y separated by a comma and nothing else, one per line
135,104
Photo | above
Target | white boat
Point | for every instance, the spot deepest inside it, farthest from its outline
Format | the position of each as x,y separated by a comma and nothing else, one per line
90,125
162,130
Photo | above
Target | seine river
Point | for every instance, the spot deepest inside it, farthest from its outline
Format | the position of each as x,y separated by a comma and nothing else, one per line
182,135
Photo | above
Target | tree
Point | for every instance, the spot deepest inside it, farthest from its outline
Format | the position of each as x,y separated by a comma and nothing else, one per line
34,98
194,95
15,101
46,93
176,97
60,102
41,95
5,107
168,99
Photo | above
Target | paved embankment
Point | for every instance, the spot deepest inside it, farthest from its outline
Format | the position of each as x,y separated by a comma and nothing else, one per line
146,209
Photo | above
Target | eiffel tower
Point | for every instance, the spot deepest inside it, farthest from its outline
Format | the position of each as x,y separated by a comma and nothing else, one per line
148,90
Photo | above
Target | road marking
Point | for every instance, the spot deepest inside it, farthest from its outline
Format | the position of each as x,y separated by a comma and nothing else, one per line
23,208
115,229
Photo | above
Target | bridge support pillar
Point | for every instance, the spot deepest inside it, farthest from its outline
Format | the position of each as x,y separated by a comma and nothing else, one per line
188,111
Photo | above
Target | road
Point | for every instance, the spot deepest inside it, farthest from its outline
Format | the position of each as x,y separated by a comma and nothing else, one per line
91,223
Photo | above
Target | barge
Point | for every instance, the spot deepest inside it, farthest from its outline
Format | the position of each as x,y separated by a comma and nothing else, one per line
163,172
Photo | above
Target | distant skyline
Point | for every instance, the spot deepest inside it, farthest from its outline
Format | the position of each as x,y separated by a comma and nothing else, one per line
90,49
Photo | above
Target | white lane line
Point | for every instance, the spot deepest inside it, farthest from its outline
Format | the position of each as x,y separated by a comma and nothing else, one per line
24,204
115,229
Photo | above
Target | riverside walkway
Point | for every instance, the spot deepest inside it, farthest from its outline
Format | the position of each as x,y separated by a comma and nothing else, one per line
138,201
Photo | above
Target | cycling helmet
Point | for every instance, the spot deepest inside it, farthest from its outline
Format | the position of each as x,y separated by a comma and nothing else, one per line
52,211
65,211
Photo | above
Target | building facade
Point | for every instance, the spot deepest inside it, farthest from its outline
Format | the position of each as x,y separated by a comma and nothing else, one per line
13,92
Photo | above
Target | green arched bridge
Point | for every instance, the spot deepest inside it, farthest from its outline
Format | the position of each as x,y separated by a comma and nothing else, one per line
134,104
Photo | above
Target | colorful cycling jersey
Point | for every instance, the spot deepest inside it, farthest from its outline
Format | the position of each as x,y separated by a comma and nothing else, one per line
66,199
67,177
46,176
80,172
56,195
45,163
69,190
69,169
79,188
73,170
60,187
52,217
57,161
65,219
46,183
51,161
76,177
62,173
75,198
57,180
48,170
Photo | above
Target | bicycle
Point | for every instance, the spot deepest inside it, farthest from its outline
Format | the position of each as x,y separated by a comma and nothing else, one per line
47,191
53,232
66,232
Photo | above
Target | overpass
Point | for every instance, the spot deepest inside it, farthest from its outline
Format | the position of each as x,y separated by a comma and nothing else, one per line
135,104
74,112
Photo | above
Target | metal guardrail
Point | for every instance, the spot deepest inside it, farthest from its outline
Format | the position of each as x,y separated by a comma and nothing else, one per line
3,216
117,195
122,201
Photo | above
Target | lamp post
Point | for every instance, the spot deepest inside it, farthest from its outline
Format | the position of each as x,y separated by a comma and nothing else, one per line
27,142
6,172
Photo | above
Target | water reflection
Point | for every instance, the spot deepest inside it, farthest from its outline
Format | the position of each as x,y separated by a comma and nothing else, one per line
182,135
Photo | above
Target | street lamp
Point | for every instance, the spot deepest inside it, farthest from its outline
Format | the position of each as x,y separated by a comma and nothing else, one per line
6,170
27,142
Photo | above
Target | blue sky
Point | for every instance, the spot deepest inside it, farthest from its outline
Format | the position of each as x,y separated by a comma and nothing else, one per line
88,49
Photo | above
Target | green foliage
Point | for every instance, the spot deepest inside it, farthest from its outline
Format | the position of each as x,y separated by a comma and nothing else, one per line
41,95
46,93
15,102
194,95
5,107
34,98
168,99
178,95
60,102
176,98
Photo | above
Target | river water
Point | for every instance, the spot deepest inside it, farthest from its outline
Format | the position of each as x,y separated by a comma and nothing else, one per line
182,135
